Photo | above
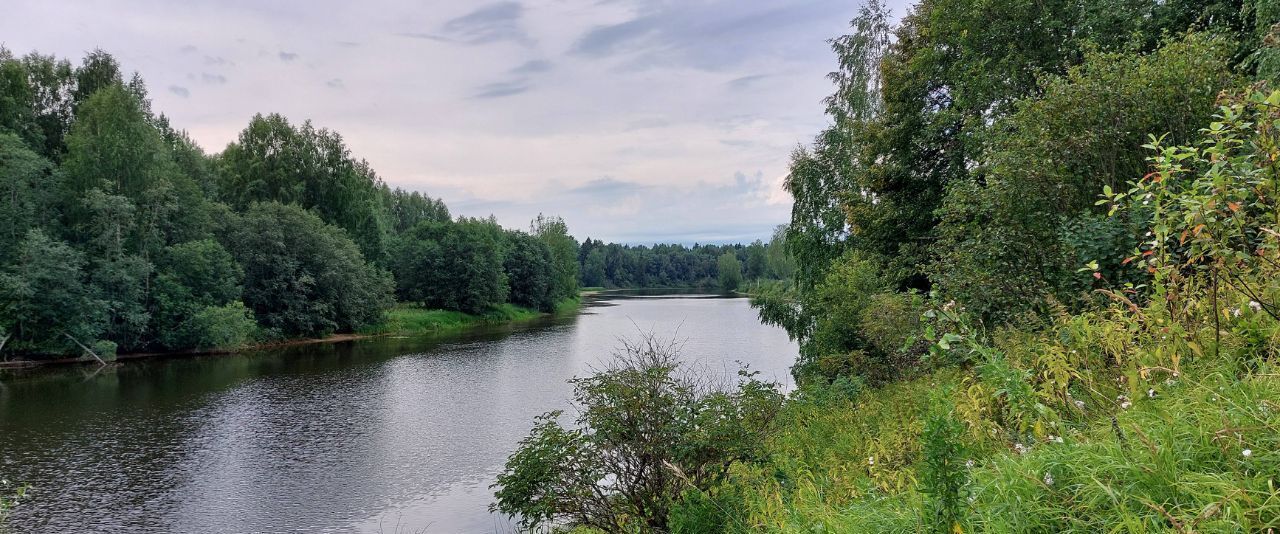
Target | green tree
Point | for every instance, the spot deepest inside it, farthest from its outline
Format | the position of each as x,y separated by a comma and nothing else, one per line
26,184
1001,250
646,430
195,298
564,255
730,271
453,266
528,270
757,263
303,277
44,298
593,274
272,160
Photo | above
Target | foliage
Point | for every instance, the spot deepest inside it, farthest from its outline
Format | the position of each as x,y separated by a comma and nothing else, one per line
453,266
672,265
1001,251
943,473
730,271
564,254
303,277
45,298
527,266
26,192
647,430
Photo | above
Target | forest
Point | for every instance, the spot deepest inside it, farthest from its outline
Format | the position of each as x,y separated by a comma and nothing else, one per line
724,267
1036,288
120,235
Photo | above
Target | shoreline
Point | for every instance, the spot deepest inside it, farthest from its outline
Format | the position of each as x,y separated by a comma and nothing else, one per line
461,323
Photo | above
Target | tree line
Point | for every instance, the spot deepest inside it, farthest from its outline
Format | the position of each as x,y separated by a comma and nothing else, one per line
726,267
119,233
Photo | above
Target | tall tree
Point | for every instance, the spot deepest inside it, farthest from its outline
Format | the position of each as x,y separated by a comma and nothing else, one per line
564,254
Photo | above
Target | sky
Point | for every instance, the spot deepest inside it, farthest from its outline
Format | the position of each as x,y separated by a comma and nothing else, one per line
638,121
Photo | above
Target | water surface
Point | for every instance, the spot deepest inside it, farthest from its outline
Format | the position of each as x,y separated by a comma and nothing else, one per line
380,435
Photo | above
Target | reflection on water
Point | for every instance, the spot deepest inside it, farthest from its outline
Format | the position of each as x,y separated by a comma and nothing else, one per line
380,435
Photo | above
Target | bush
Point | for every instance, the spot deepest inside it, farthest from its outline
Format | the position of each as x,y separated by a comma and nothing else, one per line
303,277
220,327
647,430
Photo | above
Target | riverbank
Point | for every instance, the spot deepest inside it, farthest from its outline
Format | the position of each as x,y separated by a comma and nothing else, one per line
401,320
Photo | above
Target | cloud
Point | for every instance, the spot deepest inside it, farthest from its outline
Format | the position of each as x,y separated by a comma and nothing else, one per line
212,79
187,49
607,187
335,83
215,61
532,67
488,24
348,44
501,89
705,35
288,56
179,90
745,82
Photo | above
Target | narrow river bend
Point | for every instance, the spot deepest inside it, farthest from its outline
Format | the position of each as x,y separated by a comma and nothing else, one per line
379,435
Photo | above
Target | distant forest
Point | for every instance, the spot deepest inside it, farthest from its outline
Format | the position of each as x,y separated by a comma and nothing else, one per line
676,266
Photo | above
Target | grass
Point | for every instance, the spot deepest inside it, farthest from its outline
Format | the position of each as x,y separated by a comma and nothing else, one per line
1146,451
408,319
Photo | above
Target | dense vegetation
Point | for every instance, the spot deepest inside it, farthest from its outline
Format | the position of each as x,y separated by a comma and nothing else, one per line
676,266
1036,285
118,233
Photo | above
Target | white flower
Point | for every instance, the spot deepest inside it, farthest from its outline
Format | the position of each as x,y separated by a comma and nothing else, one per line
1235,312
1246,453
969,463
1151,393
1125,405
1048,478
1020,448
871,461
1057,439
1255,305
1079,404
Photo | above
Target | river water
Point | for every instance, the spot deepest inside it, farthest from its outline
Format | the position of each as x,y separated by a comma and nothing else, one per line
380,435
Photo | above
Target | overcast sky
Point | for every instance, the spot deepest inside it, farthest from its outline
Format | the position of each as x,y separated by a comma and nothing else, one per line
636,120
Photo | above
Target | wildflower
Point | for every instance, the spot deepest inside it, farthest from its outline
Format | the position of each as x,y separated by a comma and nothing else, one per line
1125,405
1079,404
871,461
1170,382
1255,305
1056,439
1246,453
1235,312
1151,393
1048,478
1020,448
969,463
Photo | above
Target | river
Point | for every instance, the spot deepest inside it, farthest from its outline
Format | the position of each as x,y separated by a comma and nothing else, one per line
378,435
